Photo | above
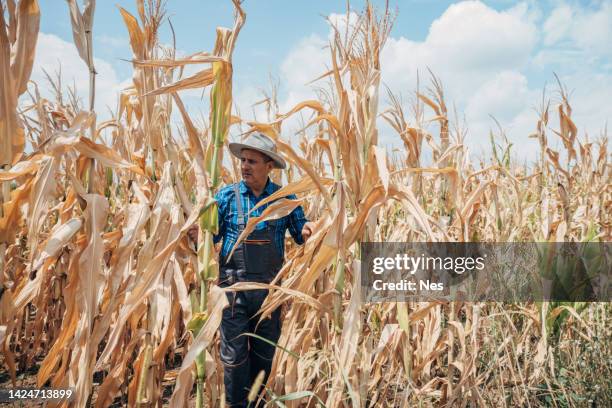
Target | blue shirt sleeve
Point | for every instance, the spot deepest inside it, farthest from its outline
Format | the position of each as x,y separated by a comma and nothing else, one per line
221,211
297,219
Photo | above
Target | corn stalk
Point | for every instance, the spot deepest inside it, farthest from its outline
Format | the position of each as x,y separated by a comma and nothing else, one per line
17,45
220,114
82,33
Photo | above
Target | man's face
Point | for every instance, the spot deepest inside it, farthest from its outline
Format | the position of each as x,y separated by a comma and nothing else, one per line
255,167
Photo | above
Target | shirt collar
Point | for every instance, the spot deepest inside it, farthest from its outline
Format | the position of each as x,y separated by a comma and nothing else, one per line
243,187
268,189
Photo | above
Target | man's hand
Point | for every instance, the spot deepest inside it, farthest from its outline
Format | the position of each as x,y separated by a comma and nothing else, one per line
192,233
308,230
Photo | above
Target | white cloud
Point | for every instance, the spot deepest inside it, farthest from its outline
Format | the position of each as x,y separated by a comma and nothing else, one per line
304,63
470,35
585,28
556,26
478,53
246,99
52,52
506,93
339,21
467,45
113,42
577,46
508,99
474,49
485,59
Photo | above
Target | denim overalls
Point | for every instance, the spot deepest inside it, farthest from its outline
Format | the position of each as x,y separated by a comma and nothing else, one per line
255,260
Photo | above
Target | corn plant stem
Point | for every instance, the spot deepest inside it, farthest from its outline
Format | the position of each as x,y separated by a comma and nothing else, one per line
200,393
204,273
200,359
204,255
4,197
214,174
203,264
408,352
6,191
92,101
339,286
2,261
217,140
203,261
451,350
149,152
144,370
339,276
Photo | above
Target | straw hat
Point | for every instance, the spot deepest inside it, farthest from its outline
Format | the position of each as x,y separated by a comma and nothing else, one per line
262,144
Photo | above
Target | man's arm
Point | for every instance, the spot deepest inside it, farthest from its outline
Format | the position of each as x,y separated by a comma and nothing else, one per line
222,203
299,227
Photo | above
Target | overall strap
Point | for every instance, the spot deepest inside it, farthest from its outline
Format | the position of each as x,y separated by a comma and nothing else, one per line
241,221
241,225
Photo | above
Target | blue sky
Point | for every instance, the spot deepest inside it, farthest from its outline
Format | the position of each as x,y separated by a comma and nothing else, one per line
493,57
272,28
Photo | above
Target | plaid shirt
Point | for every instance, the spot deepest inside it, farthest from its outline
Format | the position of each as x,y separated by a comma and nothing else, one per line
228,217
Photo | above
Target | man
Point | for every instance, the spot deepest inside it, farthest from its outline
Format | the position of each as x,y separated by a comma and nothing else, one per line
257,259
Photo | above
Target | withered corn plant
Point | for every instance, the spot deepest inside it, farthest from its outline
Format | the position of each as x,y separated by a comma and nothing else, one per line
102,290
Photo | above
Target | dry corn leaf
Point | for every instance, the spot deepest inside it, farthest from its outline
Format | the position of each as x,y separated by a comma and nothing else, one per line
42,189
22,58
82,29
198,80
104,155
307,167
295,293
348,341
112,383
265,128
199,58
380,156
137,37
329,118
192,132
279,209
19,169
312,104
17,45
60,236
92,276
11,211
150,276
301,186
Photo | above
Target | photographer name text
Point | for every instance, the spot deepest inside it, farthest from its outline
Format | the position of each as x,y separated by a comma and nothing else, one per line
404,263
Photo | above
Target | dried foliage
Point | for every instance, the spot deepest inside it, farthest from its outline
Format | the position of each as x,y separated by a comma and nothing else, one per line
102,290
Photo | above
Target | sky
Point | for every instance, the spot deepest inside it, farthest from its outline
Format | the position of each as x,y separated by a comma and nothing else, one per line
494,58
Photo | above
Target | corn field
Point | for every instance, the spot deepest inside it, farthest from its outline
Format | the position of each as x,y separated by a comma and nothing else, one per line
103,291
